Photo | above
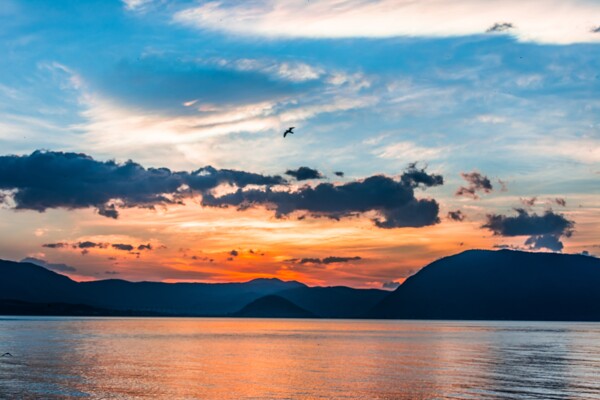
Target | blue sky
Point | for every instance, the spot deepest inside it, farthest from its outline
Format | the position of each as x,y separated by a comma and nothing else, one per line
371,86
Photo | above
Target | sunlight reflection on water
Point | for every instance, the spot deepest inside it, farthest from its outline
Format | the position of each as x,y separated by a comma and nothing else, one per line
178,358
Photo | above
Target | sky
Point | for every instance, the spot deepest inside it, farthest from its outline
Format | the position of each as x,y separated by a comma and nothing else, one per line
142,139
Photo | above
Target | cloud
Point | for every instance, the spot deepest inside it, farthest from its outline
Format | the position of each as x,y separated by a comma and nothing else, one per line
89,245
55,245
560,201
476,183
528,202
537,21
46,179
86,245
47,265
304,173
500,27
550,242
390,285
456,215
123,247
392,200
544,230
326,260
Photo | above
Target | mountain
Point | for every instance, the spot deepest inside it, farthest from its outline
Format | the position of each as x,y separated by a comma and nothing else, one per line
30,283
335,301
499,285
273,306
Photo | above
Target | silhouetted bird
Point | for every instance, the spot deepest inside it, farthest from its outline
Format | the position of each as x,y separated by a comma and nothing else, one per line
290,130
6,355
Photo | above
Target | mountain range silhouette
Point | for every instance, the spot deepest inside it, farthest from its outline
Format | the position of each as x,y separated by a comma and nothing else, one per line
475,284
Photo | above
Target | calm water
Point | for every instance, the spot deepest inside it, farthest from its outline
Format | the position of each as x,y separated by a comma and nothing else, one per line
120,358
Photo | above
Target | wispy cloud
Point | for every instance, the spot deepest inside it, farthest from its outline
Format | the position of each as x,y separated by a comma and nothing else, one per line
532,20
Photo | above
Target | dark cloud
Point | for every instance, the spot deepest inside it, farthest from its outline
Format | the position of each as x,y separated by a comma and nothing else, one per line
47,265
89,245
500,27
339,173
234,253
109,211
123,247
390,285
47,179
456,215
550,242
544,230
528,202
326,260
304,173
55,245
560,201
414,177
476,183
393,200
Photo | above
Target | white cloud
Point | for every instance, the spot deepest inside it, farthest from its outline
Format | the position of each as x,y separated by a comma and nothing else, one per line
135,4
408,151
545,21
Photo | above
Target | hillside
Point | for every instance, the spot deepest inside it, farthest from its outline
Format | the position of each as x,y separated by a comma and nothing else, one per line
499,285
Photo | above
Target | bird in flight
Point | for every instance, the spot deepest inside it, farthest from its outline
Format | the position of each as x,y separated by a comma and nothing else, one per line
289,130
6,355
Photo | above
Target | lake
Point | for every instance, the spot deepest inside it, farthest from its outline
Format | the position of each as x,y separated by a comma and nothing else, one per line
204,358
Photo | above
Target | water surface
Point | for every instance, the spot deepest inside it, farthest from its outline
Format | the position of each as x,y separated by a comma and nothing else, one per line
179,358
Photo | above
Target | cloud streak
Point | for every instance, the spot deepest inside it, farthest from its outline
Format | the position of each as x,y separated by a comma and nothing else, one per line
536,21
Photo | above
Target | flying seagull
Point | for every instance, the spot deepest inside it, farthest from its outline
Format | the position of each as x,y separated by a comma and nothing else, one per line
6,355
290,130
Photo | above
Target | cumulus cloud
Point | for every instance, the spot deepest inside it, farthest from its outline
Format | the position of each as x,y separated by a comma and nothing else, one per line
47,265
304,173
46,179
536,20
476,183
544,230
456,215
393,200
